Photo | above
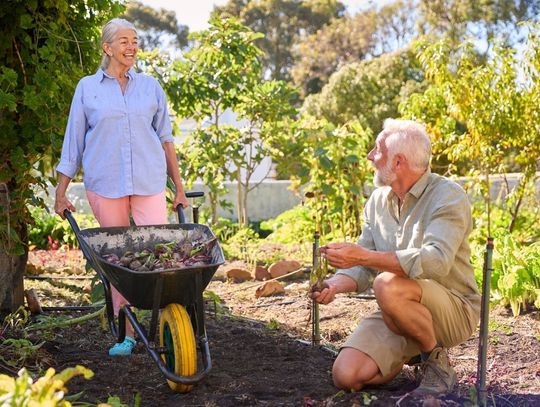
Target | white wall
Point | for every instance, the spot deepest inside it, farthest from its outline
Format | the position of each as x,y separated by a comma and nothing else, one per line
268,199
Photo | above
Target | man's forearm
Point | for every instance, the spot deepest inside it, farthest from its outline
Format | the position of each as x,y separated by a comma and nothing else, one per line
342,283
383,261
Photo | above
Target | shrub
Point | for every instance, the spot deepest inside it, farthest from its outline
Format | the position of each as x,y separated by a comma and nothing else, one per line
48,230
293,226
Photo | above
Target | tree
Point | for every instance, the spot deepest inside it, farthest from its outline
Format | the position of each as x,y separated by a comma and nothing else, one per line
339,43
222,72
153,25
458,19
46,47
498,103
283,23
368,91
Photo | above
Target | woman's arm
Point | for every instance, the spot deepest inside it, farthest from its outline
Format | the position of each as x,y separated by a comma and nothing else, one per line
61,203
174,173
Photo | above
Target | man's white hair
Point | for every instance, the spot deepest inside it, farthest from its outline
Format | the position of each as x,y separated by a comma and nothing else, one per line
107,36
409,138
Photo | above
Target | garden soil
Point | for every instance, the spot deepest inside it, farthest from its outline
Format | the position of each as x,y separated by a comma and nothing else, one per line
262,354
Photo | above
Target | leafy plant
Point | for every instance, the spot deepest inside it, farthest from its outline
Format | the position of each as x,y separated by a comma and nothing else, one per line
273,324
333,169
49,231
17,353
52,45
48,390
293,226
516,274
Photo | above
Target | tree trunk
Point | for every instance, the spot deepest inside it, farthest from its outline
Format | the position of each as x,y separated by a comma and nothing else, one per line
11,266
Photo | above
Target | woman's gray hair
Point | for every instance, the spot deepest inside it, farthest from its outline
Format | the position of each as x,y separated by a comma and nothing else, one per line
107,36
409,138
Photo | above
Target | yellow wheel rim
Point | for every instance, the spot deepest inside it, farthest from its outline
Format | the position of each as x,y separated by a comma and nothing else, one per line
176,334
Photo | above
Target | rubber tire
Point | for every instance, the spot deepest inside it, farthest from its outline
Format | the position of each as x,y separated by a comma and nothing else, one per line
175,326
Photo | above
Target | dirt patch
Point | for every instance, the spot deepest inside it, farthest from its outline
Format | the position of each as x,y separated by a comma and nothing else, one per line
259,359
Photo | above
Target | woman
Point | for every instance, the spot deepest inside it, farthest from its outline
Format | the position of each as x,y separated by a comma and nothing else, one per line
120,132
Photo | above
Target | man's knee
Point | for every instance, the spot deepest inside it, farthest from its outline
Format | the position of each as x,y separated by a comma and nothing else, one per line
388,288
353,369
385,286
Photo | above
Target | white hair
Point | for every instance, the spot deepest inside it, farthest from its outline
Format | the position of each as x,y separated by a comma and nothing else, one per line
107,36
409,138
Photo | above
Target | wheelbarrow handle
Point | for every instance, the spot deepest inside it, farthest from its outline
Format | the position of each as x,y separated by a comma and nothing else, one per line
72,222
180,209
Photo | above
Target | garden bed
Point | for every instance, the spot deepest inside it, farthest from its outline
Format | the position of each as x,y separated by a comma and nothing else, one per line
259,358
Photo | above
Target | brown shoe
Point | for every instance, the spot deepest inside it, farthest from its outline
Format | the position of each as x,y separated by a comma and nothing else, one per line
439,377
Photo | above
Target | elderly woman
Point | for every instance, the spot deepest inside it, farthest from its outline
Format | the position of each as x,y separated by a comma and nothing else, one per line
120,132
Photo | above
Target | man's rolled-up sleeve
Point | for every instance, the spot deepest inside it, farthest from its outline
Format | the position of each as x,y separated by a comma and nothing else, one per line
363,276
447,227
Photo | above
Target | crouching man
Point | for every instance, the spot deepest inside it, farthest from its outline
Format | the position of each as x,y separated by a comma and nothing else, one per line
414,251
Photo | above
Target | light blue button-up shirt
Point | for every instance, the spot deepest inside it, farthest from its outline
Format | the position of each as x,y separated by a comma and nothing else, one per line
117,137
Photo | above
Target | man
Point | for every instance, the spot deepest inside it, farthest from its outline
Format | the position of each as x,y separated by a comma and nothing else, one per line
414,251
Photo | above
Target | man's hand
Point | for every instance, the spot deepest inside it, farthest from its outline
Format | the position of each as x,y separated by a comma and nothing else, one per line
325,292
343,255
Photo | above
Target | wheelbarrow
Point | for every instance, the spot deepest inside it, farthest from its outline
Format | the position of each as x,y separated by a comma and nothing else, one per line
175,296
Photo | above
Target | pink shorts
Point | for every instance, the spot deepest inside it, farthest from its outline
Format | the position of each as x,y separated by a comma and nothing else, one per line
146,210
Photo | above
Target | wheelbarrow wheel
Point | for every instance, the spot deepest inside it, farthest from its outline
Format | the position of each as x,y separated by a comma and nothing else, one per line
176,335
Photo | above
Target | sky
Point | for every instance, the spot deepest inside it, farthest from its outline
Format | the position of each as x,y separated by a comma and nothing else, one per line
195,13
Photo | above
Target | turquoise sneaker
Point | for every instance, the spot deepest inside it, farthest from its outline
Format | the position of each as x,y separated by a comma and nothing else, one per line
124,348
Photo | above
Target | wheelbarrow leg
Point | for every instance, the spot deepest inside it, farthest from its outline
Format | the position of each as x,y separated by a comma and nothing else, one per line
158,289
108,303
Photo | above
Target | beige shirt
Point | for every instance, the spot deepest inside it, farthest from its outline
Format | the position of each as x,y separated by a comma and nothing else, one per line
429,235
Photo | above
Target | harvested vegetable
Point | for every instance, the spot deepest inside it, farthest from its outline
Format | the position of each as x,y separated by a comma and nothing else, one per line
163,256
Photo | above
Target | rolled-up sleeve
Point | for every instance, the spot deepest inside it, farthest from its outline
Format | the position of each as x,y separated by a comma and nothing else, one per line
363,276
74,138
443,236
162,121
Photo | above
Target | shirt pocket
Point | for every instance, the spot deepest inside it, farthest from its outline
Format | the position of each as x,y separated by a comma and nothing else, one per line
144,104
102,109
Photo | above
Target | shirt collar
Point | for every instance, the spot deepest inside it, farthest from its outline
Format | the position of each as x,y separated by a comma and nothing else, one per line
102,74
420,186
417,189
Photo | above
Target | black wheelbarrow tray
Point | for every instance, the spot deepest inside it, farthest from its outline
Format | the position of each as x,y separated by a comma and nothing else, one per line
175,296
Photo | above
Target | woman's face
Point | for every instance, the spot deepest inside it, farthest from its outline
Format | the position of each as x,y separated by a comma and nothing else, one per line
123,49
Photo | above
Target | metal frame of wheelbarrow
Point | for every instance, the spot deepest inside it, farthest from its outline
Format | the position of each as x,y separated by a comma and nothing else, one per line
195,308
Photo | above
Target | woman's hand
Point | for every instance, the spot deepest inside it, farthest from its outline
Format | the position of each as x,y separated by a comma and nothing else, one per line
61,204
180,199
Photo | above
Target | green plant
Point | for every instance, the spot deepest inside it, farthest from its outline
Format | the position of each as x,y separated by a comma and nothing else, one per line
49,231
15,322
242,244
516,274
48,390
273,324
293,226
52,45
333,171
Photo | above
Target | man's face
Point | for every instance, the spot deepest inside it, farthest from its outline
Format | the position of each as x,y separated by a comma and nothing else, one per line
384,176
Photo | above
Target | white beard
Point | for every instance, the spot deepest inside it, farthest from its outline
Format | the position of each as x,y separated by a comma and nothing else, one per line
384,177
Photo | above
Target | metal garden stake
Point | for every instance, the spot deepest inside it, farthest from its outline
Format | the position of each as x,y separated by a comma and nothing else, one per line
484,320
